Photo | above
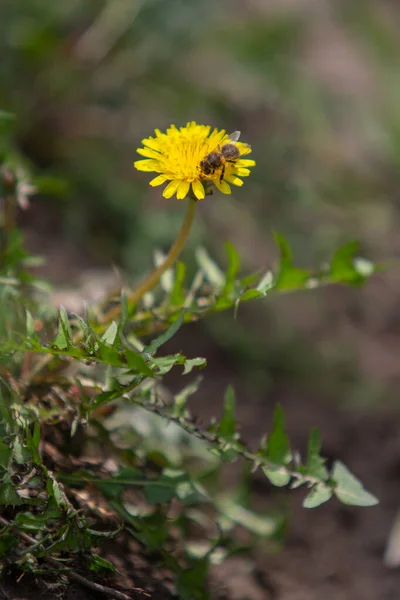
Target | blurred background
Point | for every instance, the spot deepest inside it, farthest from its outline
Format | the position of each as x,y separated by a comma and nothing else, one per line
314,87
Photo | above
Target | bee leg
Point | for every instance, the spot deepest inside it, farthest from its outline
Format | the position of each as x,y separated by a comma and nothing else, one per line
222,173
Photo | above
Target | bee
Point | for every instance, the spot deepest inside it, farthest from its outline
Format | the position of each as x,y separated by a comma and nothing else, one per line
217,159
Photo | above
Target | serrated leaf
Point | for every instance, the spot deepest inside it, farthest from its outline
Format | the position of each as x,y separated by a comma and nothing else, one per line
278,449
315,463
348,489
110,334
227,425
167,335
319,494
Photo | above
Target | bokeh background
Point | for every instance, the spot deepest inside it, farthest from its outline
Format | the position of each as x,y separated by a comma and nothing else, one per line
314,87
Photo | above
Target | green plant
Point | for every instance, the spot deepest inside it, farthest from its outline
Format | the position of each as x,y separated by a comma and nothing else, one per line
73,386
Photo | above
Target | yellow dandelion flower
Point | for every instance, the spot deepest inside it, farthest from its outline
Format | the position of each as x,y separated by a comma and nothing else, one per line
179,157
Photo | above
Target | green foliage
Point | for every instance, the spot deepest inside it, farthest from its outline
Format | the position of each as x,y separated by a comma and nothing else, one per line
65,372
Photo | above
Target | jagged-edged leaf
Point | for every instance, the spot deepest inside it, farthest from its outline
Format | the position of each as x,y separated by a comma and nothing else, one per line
315,463
319,494
348,489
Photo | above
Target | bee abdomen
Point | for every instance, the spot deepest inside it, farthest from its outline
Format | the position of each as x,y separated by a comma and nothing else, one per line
230,151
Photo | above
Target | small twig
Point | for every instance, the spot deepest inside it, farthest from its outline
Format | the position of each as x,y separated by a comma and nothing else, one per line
97,587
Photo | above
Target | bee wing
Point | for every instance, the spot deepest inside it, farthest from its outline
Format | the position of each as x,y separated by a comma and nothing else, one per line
233,137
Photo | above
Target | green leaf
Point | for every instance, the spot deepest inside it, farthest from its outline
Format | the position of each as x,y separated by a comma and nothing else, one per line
348,489
319,494
191,582
109,336
177,296
30,325
5,455
21,453
266,283
278,476
278,449
191,363
8,495
211,270
288,277
181,398
98,564
232,270
167,335
315,463
137,363
64,334
165,488
251,295
258,524
343,267
227,424
124,309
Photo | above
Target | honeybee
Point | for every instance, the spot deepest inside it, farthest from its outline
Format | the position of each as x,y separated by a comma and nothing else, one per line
217,159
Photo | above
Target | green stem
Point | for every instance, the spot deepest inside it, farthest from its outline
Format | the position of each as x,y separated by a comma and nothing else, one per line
153,279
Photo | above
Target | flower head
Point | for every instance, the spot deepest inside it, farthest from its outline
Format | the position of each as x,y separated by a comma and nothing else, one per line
177,154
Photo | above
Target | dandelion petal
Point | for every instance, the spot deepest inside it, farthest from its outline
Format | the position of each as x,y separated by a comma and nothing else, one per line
223,186
171,188
198,189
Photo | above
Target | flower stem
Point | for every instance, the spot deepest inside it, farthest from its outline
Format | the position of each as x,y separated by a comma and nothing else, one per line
153,279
